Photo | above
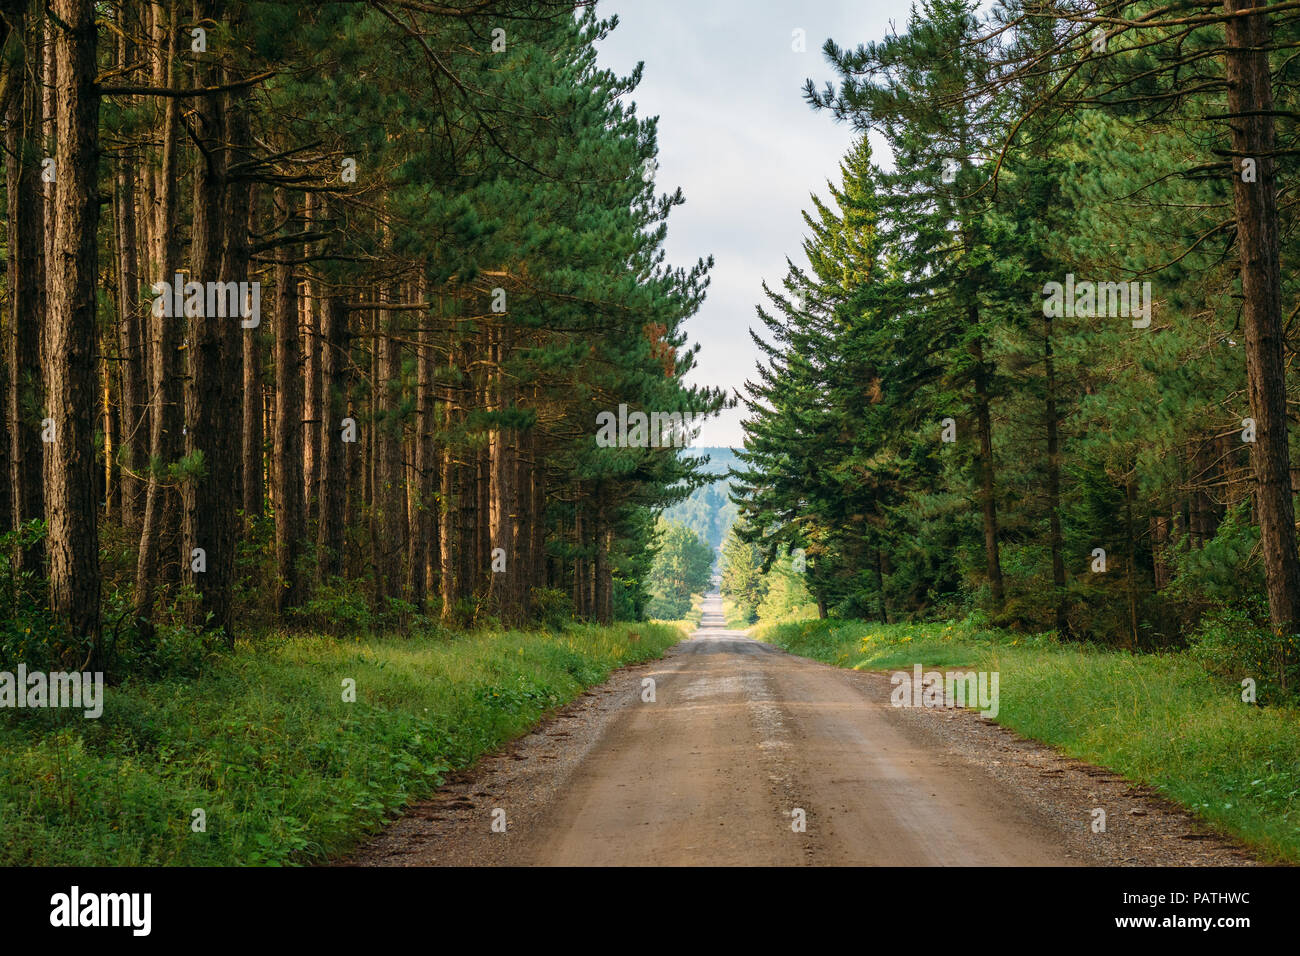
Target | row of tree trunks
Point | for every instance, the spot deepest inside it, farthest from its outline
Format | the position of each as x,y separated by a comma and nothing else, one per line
169,426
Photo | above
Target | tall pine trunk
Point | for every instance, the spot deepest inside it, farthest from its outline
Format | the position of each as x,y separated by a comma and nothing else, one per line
25,395
988,490
1054,542
602,598
134,392
1250,103
162,502
336,365
420,480
313,399
237,266
290,522
215,354
70,505
390,474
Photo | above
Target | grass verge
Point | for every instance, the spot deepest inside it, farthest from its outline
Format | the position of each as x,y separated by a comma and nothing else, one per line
1159,719
283,769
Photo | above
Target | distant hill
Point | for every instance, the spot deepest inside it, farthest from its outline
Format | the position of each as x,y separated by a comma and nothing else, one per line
720,459
707,511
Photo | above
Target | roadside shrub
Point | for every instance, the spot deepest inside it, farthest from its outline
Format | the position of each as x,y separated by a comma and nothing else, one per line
27,631
1237,643
553,607
337,607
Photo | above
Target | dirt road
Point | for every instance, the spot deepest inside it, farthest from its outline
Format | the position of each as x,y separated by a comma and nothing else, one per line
742,743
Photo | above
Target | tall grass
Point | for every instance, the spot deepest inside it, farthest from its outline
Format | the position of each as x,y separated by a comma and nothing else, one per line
284,770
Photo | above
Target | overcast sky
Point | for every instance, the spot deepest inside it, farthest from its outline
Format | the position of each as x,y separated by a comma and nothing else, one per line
736,135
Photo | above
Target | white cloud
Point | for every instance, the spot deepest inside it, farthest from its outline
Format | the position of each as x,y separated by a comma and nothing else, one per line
736,135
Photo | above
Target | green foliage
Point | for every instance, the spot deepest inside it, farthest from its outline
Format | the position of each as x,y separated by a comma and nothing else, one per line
554,608
1222,571
337,607
922,315
27,630
1238,644
743,583
682,566
786,595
